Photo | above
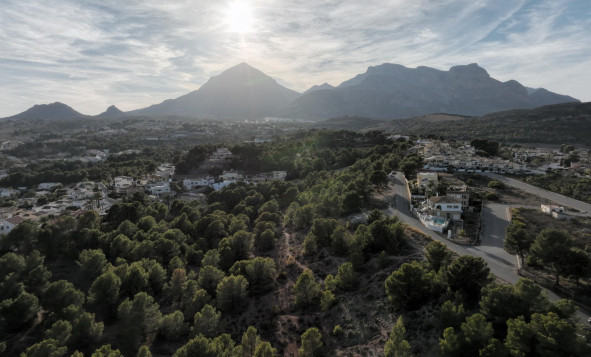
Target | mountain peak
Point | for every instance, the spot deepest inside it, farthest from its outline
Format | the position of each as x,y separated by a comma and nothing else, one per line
112,111
472,69
241,91
318,87
242,69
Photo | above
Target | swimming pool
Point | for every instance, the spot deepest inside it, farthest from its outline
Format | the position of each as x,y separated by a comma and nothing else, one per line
438,220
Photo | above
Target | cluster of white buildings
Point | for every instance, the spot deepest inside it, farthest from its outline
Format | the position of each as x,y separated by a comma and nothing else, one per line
72,199
442,156
156,184
91,195
228,177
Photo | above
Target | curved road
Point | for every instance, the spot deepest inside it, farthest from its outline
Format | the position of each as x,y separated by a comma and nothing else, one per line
495,221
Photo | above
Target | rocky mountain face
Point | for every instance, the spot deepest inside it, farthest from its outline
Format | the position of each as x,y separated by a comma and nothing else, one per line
391,91
239,92
53,111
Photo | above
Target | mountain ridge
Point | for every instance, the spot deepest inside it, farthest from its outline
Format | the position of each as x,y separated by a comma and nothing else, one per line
549,124
392,91
386,91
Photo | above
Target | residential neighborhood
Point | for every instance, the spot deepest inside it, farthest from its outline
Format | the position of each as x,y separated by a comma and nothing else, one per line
52,199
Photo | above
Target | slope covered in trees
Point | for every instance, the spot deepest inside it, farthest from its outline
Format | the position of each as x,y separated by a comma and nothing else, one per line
264,270
553,124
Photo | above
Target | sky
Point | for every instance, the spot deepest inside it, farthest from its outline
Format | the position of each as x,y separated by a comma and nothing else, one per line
90,54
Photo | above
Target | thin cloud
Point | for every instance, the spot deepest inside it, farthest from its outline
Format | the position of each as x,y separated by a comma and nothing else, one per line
137,53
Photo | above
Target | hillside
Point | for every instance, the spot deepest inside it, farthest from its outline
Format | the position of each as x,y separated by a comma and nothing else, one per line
348,123
554,124
278,268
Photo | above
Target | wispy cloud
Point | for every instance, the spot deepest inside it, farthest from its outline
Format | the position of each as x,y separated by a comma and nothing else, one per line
136,53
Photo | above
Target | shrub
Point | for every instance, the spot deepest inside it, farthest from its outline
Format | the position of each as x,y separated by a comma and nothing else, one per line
491,196
496,184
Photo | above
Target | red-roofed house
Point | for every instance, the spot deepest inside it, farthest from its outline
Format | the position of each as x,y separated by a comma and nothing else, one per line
7,224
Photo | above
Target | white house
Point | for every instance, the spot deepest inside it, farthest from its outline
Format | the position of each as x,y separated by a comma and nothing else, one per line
79,193
7,224
231,176
165,171
445,206
219,185
191,184
47,185
279,175
7,192
123,183
460,193
159,188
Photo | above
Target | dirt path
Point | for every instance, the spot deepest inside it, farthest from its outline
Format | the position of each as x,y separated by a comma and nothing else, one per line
288,324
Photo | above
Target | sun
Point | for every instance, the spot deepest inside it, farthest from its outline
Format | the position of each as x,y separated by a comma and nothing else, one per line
239,17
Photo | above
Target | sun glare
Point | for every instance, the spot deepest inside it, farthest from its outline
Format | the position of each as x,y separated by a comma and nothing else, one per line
239,17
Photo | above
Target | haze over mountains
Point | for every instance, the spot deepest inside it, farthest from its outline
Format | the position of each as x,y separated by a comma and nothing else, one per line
387,91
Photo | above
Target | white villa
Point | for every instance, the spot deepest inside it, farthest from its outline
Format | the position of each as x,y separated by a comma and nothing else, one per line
159,188
123,183
460,193
191,184
165,171
447,207
231,176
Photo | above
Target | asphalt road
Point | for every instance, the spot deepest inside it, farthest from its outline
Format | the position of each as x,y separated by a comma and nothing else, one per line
495,219
582,207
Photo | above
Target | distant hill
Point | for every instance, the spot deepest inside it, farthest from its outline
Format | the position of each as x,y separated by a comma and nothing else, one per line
391,91
348,123
53,111
568,123
239,92
418,123
111,111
